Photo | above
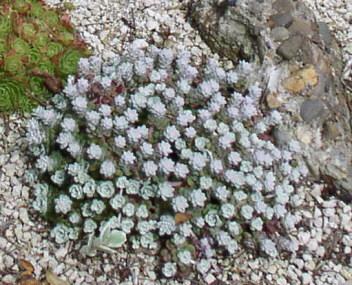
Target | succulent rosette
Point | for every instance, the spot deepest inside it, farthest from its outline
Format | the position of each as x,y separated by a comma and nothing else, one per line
34,56
28,31
20,46
54,49
21,6
37,10
66,37
41,41
35,44
69,61
2,47
11,93
52,18
45,66
5,25
37,85
176,155
13,64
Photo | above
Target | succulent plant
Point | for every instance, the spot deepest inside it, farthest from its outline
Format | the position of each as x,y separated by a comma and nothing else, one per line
107,241
11,94
35,44
163,152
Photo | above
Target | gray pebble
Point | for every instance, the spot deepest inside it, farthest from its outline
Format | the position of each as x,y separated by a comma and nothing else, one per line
289,48
280,34
282,20
312,109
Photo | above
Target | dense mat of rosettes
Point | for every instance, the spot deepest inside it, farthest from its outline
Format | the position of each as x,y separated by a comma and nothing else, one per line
169,152
38,50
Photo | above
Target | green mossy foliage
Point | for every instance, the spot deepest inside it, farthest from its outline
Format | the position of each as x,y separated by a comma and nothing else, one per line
34,44
11,94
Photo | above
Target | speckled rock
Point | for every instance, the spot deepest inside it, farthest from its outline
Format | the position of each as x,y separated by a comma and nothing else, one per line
280,34
226,30
282,19
312,109
289,48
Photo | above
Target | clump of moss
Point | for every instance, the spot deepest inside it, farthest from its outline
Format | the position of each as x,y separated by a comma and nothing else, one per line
37,47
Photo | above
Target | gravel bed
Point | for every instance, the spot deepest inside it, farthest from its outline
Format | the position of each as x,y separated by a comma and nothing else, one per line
338,15
324,234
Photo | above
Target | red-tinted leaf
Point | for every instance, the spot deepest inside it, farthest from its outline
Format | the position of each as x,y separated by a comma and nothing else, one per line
272,227
181,218
53,84
265,137
26,266
119,89
66,21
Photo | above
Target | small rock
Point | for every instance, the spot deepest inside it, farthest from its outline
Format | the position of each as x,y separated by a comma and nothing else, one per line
289,48
281,136
210,279
3,242
281,281
8,261
309,265
301,27
281,20
306,278
9,279
10,169
255,277
299,263
312,245
304,237
61,252
331,130
312,109
24,216
304,135
320,251
274,100
299,80
325,33
272,269
279,34
347,274
283,6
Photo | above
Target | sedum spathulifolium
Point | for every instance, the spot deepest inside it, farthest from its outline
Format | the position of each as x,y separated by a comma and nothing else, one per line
176,155
38,50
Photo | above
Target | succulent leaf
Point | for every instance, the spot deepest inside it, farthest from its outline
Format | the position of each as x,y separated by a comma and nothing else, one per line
5,26
69,62
51,18
2,47
28,31
66,38
114,239
34,56
54,49
22,6
20,46
36,9
13,64
24,104
10,93
41,41
46,66
36,85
